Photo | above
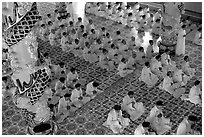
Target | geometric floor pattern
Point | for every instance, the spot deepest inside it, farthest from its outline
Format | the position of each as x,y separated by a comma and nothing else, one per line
89,119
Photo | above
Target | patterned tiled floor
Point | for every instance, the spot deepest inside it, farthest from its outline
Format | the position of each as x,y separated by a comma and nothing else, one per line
89,119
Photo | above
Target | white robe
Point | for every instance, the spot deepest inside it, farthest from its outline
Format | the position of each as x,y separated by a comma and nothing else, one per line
197,40
194,95
139,130
180,46
134,111
153,113
123,71
62,107
71,77
184,128
148,77
116,122
90,89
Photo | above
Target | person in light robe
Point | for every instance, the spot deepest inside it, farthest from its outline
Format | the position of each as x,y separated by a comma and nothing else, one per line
72,77
185,127
89,26
60,84
198,37
103,59
187,69
140,59
149,50
156,66
115,121
180,46
64,104
195,94
144,129
92,90
123,70
133,108
79,22
161,124
147,76
63,42
174,88
76,96
157,15
52,37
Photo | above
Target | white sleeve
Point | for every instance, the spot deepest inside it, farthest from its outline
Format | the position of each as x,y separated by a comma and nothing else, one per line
181,130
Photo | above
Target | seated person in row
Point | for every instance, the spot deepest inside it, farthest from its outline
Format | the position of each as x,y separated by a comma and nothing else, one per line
158,122
123,69
64,107
144,129
190,72
77,97
147,76
115,121
174,88
195,94
72,77
133,108
92,90
185,127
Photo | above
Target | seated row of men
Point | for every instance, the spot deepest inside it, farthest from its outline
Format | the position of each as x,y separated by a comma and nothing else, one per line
155,124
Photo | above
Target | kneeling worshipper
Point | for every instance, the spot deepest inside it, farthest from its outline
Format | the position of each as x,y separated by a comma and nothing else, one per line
92,90
115,121
161,125
72,77
156,66
187,69
59,85
144,129
77,96
157,109
185,127
133,108
147,76
173,88
123,69
64,107
198,37
195,94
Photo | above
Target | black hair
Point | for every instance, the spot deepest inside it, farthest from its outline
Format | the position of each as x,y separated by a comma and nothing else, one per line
186,57
141,48
82,26
76,40
145,124
192,118
159,103
98,41
4,78
72,69
45,54
61,64
107,34
77,85
79,19
67,95
112,45
129,14
200,29
117,107
118,32
130,93
49,23
103,28
197,82
123,41
157,20
147,64
169,73
95,84
123,59
151,42
49,15
62,79
85,35
183,26
64,33
71,23
158,57
140,8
